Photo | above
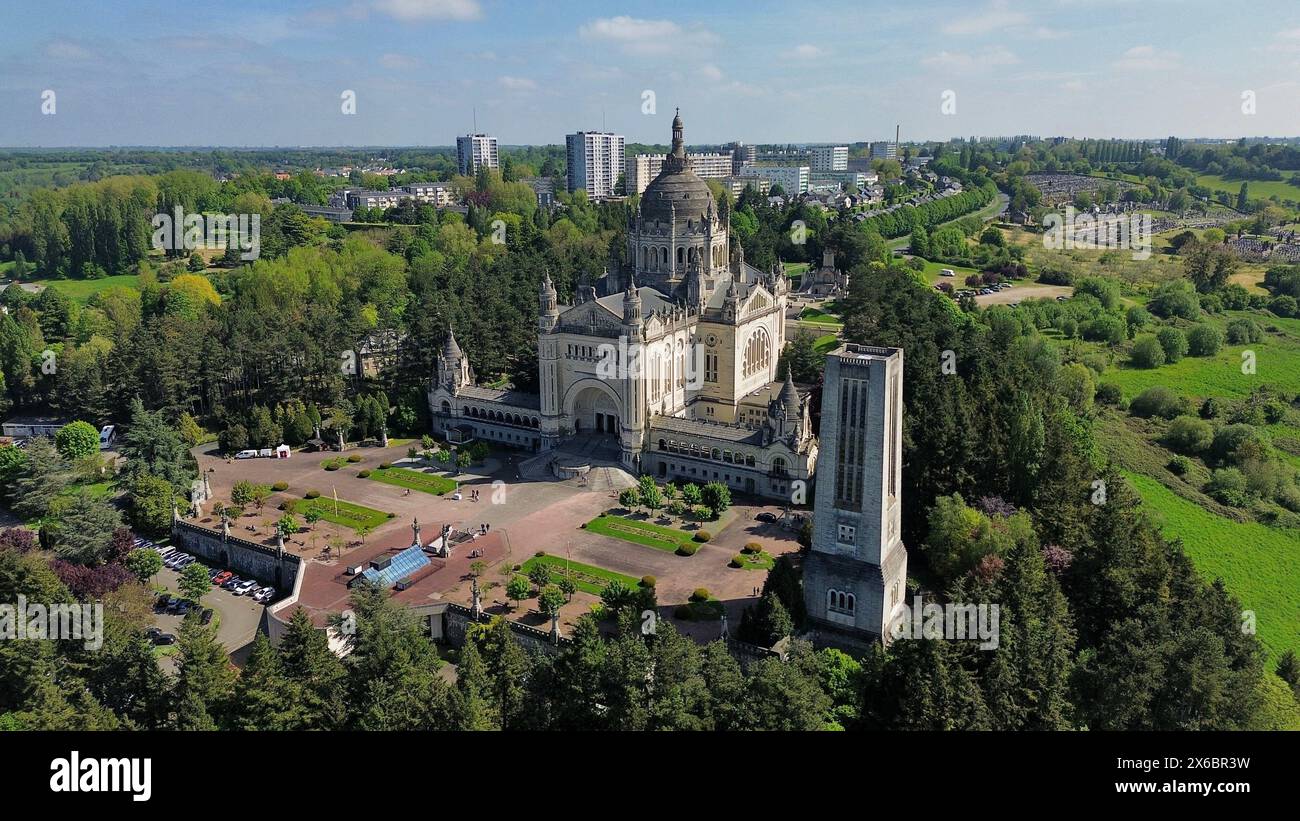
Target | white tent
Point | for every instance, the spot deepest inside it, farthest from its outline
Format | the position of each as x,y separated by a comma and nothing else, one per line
283,452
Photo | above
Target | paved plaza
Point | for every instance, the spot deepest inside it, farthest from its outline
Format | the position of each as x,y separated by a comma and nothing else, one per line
522,516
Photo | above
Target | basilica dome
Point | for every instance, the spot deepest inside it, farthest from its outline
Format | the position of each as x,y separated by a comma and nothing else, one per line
677,192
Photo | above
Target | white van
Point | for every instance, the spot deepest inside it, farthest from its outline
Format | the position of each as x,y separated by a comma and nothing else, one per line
246,454
106,436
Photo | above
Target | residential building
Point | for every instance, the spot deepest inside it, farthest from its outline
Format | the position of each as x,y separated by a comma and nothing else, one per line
793,179
475,151
829,157
642,168
595,161
884,150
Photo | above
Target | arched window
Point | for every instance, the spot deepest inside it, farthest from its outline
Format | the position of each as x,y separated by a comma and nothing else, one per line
758,353
446,406
663,253
778,466
681,254
663,444
715,454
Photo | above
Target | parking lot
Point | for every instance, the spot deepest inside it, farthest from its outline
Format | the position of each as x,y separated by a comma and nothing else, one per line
236,616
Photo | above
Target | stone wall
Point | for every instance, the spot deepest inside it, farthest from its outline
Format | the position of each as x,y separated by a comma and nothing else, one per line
247,559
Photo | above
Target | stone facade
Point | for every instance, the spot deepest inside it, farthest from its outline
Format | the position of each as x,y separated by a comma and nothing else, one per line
672,357
855,576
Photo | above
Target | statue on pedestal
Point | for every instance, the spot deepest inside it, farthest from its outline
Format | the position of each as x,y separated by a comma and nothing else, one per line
476,607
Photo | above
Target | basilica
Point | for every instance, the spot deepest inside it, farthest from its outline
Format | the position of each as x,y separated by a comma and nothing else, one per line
667,364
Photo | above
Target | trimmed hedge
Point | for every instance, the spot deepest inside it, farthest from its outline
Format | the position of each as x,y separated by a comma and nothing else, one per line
703,536
280,487
736,561
700,594
648,581
354,458
753,548
687,549
363,474
312,494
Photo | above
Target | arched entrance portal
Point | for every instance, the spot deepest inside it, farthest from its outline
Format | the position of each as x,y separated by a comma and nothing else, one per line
595,411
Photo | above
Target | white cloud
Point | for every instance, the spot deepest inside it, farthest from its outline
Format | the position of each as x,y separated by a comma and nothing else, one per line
399,62
805,51
516,83
1146,58
67,50
996,16
636,36
430,9
711,72
962,61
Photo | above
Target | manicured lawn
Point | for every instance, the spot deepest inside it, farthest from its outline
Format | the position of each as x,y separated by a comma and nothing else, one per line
757,561
819,317
638,532
342,513
1258,564
826,344
413,479
82,290
588,578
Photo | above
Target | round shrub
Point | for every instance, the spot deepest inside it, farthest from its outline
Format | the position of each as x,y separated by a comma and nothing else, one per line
700,594
1187,434
687,549
280,487
1210,408
703,536
1174,343
1204,340
1179,465
648,581
1108,393
1148,353
1228,486
539,554
736,561
312,494
354,458
1243,330
1157,401
753,548
683,612
1284,305
392,515
363,474
331,466
385,465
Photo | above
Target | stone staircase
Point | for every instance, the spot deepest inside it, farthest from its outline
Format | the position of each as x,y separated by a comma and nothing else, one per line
601,453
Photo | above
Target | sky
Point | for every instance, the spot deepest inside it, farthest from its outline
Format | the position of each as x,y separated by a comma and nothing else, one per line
276,73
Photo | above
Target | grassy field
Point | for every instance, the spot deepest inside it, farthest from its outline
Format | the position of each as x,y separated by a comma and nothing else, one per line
1256,189
81,290
588,578
413,479
1259,565
1277,362
826,344
638,532
342,513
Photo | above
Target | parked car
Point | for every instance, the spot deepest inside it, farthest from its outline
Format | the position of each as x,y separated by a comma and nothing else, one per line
264,595
222,577
246,454
231,583
174,606
244,587
160,603
206,615
164,638
183,608
153,633
947,272
766,517
185,561
213,572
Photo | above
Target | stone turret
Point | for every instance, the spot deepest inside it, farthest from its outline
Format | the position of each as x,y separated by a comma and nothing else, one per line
453,365
785,413
632,304
549,315
731,303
